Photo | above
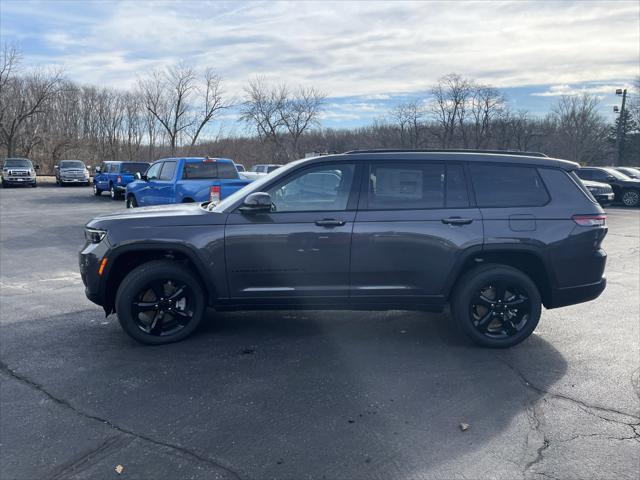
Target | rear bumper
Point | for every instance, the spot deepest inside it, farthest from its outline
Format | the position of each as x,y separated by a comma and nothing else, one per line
561,297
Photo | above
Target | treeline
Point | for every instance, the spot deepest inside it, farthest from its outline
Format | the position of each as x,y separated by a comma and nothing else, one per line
176,111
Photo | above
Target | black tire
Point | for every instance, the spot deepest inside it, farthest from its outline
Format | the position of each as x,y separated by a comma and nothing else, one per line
34,184
113,193
131,202
96,191
631,198
488,319
4,184
140,287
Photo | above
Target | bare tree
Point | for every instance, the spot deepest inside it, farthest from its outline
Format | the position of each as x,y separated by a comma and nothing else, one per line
580,127
450,97
410,119
211,103
300,112
262,110
22,98
281,117
166,96
487,105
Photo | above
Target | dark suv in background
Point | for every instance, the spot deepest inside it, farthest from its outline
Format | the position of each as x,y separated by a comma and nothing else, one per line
495,236
625,188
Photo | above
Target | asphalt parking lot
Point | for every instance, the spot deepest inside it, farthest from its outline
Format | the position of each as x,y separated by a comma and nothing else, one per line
322,395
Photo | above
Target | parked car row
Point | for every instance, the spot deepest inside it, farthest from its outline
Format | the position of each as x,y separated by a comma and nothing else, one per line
624,183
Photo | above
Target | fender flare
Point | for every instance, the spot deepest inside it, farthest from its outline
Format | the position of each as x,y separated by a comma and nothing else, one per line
207,280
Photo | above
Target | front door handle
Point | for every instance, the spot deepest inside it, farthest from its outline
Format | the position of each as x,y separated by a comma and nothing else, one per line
330,222
457,221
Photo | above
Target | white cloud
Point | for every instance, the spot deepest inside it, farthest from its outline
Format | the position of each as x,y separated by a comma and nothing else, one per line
347,48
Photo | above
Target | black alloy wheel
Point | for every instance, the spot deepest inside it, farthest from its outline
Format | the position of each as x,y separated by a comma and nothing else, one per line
631,198
497,306
500,310
160,302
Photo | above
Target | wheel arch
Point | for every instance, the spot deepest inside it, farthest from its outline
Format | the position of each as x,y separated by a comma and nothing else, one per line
125,259
528,261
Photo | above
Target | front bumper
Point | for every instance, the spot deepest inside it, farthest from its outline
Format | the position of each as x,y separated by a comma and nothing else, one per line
605,198
74,180
19,180
89,261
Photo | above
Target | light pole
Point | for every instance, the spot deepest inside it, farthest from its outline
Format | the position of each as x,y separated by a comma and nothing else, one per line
621,119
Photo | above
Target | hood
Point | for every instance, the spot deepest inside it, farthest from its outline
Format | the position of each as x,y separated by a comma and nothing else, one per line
184,214
591,183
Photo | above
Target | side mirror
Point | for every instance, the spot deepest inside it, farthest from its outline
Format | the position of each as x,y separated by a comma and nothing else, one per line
55,167
88,167
37,167
257,202
98,169
138,176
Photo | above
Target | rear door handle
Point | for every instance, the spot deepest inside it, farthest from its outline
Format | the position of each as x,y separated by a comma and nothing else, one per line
457,221
330,222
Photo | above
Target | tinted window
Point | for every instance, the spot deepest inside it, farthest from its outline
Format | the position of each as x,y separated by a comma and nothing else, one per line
103,168
410,186
154,171
168,169
134,167
456,187
321,188
207,170
71,164
271,168
508,186
585,174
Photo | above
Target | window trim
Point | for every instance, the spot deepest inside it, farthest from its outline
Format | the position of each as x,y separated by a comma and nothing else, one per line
354,192
496,164
363,204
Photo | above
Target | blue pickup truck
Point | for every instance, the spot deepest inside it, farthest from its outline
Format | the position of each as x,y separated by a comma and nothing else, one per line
113,177
182,180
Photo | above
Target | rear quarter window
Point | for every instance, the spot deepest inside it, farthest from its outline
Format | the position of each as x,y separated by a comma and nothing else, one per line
503,185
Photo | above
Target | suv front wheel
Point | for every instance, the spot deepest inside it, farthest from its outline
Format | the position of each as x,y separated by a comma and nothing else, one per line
497,306
160,302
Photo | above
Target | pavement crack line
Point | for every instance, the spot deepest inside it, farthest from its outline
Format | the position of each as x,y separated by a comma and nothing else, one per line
4,368
536,424
581,403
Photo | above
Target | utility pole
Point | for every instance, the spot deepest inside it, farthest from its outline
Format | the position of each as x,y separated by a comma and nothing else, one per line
621,119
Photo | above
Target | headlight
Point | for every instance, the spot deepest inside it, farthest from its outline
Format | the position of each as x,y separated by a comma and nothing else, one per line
94,235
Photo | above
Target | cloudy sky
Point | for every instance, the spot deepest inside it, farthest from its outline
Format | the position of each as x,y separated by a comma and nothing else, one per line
367,56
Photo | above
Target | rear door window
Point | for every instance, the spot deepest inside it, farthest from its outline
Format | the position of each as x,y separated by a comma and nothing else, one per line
416,185
508,186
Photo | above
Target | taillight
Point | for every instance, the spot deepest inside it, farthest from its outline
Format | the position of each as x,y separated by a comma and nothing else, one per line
119,179
214,194
596,220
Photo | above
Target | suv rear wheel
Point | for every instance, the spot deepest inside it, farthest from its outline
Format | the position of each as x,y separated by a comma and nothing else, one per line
496,305
160,302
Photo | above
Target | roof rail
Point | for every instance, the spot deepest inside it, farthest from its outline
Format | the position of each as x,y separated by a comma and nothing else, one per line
439,150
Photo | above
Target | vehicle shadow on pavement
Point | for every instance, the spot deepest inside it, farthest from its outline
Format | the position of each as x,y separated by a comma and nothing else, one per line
293,394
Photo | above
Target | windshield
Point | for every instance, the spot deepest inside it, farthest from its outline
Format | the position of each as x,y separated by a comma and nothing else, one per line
632,172
617,174
17,162
71,164
134,167
255,186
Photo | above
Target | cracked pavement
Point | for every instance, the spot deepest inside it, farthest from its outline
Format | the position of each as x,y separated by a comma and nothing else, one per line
334,395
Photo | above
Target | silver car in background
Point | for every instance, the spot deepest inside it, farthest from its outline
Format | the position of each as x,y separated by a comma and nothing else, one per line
72,172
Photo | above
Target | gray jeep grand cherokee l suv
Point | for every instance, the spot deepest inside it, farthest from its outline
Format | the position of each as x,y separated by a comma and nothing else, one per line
494,235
